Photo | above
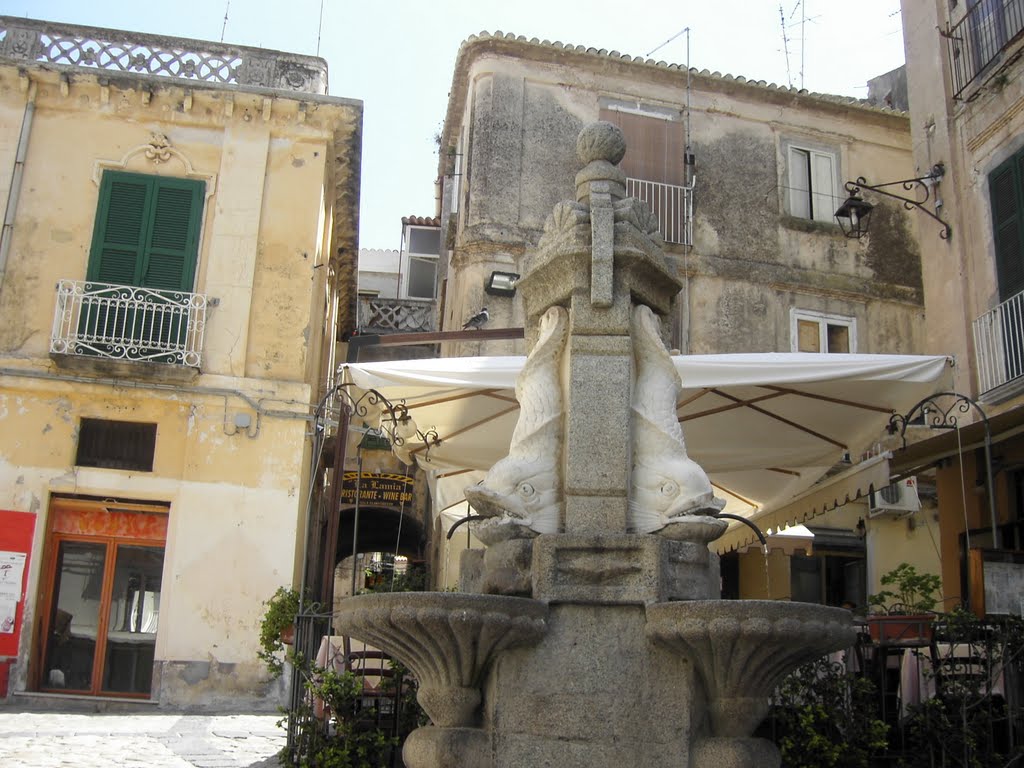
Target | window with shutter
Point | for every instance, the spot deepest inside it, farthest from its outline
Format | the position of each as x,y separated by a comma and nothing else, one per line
819,332
655,145
811,183
1007,202
1006,199
143,257
655,163
147,231
421,247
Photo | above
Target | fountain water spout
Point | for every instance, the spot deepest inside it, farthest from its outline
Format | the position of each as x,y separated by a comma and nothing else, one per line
749,523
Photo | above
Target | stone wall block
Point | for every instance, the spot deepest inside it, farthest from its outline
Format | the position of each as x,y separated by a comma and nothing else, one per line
507,568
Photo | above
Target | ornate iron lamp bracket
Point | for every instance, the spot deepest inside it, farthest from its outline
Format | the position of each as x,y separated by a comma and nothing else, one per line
395,422
943,410
920,186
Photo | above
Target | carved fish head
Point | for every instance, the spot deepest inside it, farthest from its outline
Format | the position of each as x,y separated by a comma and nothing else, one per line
669,487
526,492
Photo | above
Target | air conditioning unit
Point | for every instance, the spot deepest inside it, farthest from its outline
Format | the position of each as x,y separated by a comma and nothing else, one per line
897,499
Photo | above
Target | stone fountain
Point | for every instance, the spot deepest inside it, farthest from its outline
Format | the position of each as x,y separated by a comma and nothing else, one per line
587,633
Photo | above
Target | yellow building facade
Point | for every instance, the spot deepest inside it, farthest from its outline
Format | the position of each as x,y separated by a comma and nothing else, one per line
179,245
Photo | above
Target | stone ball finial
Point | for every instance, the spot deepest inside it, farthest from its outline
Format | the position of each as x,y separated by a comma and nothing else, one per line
601,141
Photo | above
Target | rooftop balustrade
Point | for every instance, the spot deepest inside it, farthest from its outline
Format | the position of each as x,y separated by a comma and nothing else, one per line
200,61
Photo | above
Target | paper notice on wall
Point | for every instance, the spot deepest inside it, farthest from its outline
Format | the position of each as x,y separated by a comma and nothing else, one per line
12,568
8,607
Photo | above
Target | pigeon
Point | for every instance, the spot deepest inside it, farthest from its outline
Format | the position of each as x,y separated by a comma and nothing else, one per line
477,320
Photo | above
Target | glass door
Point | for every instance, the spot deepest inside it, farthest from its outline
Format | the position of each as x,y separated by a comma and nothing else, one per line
102,605
75,616
104,618
133,616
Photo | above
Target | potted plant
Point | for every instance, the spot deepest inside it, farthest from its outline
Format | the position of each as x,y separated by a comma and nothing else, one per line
905,609
277,628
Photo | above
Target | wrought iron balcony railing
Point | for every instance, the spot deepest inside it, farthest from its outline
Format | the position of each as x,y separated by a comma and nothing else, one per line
976,44
123,322
95,48
395,315
999,344
672,204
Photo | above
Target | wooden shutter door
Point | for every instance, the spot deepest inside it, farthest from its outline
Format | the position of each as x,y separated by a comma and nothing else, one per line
823,187
1005,200
654,147
799,183
1004,193
120,230
173,237
169,258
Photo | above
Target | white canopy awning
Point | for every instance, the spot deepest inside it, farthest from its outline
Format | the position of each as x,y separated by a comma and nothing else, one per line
765,427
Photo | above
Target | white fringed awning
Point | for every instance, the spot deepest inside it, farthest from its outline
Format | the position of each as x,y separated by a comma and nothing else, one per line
765,427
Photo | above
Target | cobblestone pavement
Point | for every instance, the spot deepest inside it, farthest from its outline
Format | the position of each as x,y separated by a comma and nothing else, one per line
49,740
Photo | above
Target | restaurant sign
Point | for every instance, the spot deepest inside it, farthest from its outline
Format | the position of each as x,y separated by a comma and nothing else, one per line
374,488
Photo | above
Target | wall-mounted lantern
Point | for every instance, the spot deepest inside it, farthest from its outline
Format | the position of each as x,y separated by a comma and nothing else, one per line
854,215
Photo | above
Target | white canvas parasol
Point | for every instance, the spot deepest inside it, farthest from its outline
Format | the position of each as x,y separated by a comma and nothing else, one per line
765,427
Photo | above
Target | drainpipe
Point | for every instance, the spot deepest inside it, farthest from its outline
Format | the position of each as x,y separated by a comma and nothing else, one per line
15,189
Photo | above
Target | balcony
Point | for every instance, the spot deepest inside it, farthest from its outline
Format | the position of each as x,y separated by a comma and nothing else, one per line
378,315
128,324
977,45
999,344
672,204
95,49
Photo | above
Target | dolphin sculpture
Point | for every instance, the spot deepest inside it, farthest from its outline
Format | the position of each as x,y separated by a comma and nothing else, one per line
666,485
521,496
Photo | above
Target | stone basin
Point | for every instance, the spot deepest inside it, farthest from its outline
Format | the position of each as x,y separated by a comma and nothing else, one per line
742,649
447,639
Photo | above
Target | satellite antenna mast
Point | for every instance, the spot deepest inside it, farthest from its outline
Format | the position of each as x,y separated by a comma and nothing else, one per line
224,27
803,39
785,46
320,27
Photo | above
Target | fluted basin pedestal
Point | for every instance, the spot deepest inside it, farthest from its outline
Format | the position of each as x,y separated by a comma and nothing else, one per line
449,641
741,650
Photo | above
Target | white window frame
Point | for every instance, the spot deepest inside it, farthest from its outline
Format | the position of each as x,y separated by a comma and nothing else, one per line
456,187
409,256
811,180
823,319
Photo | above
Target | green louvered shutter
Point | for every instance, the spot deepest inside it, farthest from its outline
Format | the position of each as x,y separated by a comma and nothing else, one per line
173,236
1005,196
1007,203
147,231
120,231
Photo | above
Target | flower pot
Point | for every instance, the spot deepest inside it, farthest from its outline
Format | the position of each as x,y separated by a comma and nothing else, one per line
902,630
288,634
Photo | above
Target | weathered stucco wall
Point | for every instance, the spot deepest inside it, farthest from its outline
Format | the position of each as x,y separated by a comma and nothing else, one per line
515,111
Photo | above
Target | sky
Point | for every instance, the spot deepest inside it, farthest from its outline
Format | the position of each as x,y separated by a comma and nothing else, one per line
397,56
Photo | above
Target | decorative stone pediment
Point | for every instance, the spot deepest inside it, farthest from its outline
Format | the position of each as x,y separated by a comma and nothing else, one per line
157,156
